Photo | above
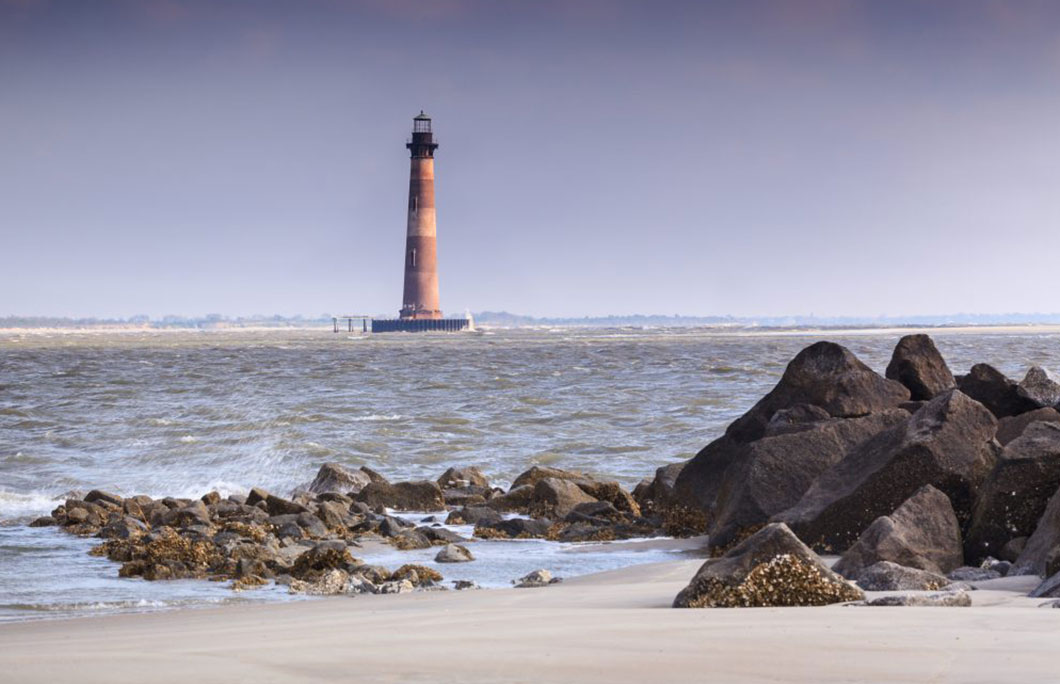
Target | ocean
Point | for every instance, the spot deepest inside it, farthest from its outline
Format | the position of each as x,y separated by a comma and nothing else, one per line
181,413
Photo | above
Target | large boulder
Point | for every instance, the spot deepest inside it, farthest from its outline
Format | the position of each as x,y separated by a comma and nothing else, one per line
1011,427
770,568
917,364
556,498
420,495
336,478
771,474
1043,546
1050,588
992,389
948,443
922,533
1015,494
825,375
1039,387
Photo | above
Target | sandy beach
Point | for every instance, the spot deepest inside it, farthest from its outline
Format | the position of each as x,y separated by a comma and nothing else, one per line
610,627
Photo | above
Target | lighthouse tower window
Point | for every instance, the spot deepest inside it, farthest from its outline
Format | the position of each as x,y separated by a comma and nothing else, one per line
412,258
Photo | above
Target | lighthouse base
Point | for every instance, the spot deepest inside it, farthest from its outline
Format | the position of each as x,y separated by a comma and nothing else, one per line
385,325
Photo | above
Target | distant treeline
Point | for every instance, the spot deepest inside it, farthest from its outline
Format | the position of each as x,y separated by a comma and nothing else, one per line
208,321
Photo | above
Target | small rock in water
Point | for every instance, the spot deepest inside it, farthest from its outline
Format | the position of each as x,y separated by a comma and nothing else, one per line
946,599
537,578
454,553
395,587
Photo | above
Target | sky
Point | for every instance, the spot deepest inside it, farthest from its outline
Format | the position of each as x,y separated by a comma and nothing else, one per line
746,157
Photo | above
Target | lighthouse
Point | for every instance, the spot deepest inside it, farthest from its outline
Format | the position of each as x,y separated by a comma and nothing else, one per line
420,308
420,301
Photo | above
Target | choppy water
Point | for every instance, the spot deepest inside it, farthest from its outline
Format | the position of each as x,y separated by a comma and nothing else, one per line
168,413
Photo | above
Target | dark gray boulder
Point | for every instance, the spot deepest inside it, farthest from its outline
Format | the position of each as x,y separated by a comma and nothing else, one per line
774,472
992,389
825,375
1050,588
338,479
1044,544
922,533
516,500
473,515
1039,387
795,419
770,568
917,364
948,444
516,528
1012,427
1014,496
888,576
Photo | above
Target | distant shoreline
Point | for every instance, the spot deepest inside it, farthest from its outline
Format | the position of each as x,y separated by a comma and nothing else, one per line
720,330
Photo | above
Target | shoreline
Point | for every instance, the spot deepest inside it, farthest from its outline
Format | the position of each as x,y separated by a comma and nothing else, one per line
561,633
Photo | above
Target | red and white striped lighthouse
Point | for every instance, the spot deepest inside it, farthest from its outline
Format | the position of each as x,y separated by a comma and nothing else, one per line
420,301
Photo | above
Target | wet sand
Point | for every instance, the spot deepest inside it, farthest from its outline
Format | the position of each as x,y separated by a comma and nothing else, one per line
610,627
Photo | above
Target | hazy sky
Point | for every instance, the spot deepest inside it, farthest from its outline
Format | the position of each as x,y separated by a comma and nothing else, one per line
741,157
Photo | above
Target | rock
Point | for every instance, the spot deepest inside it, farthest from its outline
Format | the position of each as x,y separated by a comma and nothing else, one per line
325,556
770,568
333,514
336,478
922,533
658,493
256,496
192,514
455,478
1043,542
1039,387
396,587
466,496
97,495
537,578
917,364
517,500
330,582
969,574
556,498
612,492
418,575
421,495
1012,549
948,444
771,474
473,515
374,476
311,526
462,585
795,419
44,521
516,528
210,498
411,539
945,599
1050,588
277,505
537,473
123,527
1015,494
440,535
1012,427
454,553
825,375
992,389
392,526
888,576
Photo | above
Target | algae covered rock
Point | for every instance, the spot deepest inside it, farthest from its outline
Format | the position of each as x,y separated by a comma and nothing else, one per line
770,568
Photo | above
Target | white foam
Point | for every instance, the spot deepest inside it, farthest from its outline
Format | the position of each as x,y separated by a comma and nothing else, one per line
24,504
